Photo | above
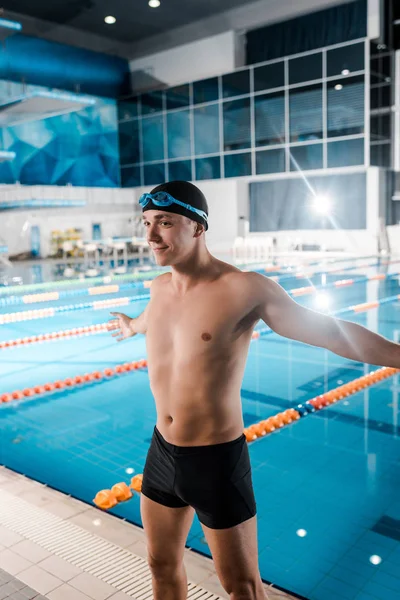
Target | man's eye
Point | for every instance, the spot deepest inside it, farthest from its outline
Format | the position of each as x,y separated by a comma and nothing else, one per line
165,223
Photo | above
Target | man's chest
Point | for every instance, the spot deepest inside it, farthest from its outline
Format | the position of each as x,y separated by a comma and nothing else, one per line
201,322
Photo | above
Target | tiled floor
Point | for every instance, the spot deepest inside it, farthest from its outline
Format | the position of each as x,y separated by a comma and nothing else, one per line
29,570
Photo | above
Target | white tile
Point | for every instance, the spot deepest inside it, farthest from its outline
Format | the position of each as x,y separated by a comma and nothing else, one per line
120,596
12,562
66,592
15,486
63,509
40,580
9,538
31,551
60,568
138,548
93,587
120,533
213,584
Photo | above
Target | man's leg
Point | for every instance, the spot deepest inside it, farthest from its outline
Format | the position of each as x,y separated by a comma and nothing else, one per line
166,531
235,556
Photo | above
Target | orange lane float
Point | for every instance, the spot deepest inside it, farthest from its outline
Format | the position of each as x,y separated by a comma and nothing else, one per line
275,422
70,382
54,335
120,492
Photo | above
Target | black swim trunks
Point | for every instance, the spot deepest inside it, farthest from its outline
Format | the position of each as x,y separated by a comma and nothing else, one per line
215,480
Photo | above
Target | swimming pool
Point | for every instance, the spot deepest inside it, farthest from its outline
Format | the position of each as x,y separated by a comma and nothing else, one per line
326,486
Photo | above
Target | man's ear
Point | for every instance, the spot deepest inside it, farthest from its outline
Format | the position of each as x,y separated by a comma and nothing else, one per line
199,229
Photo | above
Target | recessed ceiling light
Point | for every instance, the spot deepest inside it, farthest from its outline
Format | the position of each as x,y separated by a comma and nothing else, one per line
154,3
110,20
338,86
345,72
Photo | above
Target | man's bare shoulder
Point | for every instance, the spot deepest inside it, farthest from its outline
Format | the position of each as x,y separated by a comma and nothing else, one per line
160,281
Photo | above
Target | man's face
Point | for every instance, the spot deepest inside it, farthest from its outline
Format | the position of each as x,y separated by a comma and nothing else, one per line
170,236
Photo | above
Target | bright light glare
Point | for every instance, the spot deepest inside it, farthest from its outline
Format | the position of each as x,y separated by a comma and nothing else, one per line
154,3
375,559
322,300
345,72
110,20
322,205
301,532
338,87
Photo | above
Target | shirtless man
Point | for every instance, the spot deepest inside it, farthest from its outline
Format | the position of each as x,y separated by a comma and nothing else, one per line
198,325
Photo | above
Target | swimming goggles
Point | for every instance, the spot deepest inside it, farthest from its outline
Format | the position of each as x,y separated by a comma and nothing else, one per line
164,199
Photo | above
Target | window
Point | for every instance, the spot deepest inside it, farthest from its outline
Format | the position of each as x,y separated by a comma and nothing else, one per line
237,165
152,102
270,161
130,176
269,114
208,168
205,90
303,158
177,97
153,138
346,58
305,68
129,142
346,153
269,76
236,84
178,127
237,124
128,109
345,106
206,129
154,174
180,170
305,113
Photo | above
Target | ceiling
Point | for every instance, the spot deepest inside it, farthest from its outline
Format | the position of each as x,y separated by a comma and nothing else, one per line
135,19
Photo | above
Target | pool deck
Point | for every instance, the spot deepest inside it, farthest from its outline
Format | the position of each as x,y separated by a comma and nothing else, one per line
56,547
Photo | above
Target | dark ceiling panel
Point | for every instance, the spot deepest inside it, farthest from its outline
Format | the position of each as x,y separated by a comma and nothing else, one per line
135,19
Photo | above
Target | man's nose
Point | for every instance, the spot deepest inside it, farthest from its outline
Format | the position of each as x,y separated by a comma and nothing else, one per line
152,233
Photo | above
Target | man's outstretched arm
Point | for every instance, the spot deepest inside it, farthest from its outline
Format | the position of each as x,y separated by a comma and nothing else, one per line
289,319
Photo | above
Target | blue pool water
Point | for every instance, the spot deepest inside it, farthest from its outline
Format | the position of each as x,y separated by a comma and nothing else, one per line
334,474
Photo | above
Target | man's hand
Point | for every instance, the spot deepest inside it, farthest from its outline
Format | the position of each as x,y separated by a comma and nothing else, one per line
122,325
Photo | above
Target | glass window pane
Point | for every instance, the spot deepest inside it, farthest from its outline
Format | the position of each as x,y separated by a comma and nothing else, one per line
129,142
236,84
177,96
205,90
180,170
153,138
346,153
237,165
381,96
381,127
381,156
127,109
206,129
152,102
381,67
154,174
305,113
270,161
269,76
178,127
346,106
130,177
208,168
346,58
305,68
306,157
237,124
269,114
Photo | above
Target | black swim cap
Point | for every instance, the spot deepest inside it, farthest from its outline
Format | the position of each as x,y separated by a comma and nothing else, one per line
185,192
